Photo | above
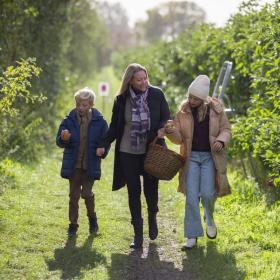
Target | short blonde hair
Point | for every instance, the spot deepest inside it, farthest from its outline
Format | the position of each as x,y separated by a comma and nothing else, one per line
85,94
128,75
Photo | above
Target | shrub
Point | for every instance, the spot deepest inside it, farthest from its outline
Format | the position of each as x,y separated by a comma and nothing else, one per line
18,124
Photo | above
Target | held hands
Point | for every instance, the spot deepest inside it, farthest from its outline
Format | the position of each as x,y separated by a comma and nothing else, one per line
169,127
217,146
100,152
65,135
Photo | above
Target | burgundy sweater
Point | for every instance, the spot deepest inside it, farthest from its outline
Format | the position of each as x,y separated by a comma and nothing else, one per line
200,140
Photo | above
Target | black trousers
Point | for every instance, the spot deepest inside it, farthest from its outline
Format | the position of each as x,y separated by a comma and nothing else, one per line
133,167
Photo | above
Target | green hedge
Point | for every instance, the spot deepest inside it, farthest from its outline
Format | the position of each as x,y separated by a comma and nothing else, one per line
250,40
19,127
69,43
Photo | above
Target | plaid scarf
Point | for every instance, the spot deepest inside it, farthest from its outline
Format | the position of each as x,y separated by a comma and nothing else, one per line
140,118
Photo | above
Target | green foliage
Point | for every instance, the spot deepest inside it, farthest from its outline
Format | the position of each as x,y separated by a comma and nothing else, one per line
245,191
168,20
113,15
251,41
69,43
18,125
88,47
15,87
258,131
8,174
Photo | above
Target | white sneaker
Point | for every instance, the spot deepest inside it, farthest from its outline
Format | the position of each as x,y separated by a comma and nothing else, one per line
191,242
211,231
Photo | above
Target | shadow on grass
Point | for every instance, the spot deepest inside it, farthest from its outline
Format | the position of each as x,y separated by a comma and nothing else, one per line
212,265
144,265
71,260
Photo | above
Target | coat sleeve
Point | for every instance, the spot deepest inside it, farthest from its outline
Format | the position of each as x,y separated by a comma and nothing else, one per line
104,131
176,137
164,116
164,112
225,129
111,133
59,142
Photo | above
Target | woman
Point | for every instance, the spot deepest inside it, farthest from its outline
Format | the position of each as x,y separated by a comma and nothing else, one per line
203,131
139,112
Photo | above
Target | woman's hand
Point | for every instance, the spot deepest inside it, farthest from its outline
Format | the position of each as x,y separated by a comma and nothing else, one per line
217,146
100,152
161,133
65,135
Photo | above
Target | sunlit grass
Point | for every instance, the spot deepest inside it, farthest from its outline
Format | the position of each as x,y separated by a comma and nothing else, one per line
34,221
34,245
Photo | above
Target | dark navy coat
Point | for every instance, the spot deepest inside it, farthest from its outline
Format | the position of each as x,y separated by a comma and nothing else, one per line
97,128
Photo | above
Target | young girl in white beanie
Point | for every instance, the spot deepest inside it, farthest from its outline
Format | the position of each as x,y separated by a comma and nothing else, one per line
203,131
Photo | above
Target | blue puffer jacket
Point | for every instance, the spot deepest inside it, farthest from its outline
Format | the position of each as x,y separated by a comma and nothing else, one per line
96,129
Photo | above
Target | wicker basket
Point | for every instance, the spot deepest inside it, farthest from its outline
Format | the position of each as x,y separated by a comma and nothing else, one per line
161,162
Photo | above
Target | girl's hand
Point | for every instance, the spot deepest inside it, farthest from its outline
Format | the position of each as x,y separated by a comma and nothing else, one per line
169,127
217,146
65,135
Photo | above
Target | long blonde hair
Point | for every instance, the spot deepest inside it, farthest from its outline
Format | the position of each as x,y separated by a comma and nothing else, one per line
130,70
201,110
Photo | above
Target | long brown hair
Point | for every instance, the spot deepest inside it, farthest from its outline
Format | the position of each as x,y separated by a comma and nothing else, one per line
130,70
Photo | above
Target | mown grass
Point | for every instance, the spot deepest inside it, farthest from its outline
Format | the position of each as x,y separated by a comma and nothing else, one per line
248,237
34,221
34,244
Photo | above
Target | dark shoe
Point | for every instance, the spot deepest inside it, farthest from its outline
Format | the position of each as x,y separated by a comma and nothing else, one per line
138,234
136,243
153,228
93,226
72,229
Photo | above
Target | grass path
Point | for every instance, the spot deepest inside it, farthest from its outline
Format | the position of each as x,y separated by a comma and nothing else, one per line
34,245
34,221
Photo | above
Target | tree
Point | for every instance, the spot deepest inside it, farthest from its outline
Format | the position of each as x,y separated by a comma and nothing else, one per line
115,19
88,48
69,43
168,20
251,41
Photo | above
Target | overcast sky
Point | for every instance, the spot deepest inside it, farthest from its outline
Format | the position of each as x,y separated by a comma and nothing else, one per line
217,11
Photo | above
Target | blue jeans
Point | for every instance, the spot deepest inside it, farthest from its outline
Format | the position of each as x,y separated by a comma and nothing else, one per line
200,184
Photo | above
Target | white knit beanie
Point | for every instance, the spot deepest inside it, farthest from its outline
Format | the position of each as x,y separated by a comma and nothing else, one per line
200,87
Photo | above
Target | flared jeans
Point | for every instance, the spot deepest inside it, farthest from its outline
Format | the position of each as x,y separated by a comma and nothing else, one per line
200,185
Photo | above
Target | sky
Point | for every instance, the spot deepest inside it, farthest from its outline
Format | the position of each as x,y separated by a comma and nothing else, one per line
217,11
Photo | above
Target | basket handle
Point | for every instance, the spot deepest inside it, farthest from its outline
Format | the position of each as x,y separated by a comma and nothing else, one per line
154,142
